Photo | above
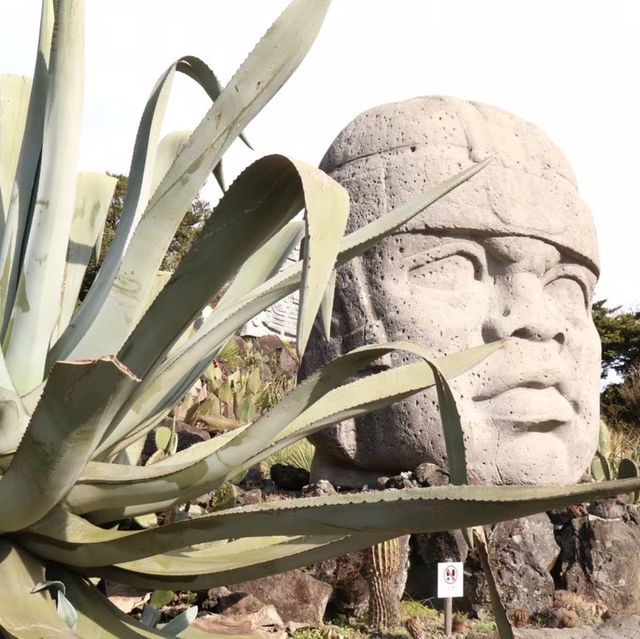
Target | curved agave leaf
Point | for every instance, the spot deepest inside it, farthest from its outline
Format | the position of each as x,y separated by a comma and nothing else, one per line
36,307
141,176
78,404
265,196
452,429
312,405
24,615
98,618
259,203
377,391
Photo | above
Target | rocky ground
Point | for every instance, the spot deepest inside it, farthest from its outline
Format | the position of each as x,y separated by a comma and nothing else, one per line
573,573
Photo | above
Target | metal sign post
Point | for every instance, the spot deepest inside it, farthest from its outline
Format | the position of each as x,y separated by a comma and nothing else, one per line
450,584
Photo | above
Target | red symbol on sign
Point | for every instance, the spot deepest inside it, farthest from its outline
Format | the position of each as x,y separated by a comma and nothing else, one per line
450,575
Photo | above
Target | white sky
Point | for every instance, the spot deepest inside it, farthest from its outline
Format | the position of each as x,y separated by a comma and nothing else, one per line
569,66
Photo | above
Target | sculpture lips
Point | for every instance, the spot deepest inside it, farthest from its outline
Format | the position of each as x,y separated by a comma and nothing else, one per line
530,407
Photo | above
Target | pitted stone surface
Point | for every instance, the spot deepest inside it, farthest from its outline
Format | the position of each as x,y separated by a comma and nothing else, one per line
511,254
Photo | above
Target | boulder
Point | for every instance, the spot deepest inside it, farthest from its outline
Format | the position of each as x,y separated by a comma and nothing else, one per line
289,477
263,624
350,595
523,552
598,560
296,595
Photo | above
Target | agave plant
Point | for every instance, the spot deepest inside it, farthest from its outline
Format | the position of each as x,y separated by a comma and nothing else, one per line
82,384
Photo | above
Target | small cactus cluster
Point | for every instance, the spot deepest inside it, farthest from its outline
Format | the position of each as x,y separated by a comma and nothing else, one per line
248,377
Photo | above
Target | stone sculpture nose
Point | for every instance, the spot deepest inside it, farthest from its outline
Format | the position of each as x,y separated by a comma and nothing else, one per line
521,309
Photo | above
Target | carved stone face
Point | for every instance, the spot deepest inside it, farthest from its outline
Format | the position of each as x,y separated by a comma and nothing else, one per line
511,254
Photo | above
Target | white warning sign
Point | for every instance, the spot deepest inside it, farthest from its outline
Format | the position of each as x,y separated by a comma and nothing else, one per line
450,578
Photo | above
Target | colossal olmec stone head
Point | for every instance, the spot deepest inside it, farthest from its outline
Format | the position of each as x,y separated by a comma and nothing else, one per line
510,254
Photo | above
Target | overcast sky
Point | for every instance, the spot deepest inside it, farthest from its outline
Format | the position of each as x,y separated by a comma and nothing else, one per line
569,66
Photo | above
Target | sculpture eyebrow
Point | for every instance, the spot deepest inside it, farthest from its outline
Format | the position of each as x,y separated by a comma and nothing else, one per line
447,249
513,253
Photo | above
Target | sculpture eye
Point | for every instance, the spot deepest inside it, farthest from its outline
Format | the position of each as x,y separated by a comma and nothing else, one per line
568,294
448,273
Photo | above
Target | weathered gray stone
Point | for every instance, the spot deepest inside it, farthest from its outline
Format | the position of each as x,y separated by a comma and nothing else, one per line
322,488
614,508
239,603
509,254
522,553
431,475
263,624
350,595
599,560
296,595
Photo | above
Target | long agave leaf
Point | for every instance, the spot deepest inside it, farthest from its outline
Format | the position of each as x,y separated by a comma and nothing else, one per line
314,402
73,540
505,631
24,615
158,282
161,389
168,150
35,310
24,186
196,69
14,102
259,77
93,197
259,433
225,565
77,405
374,392
103,472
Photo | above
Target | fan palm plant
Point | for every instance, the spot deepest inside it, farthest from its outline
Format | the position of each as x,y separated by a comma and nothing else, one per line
81,384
